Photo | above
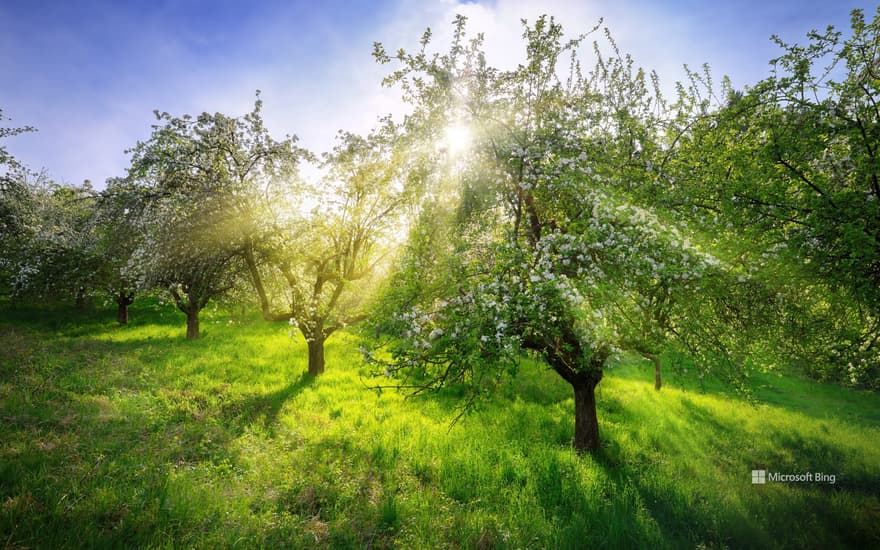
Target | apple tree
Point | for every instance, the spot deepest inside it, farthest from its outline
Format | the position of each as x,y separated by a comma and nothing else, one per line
545,249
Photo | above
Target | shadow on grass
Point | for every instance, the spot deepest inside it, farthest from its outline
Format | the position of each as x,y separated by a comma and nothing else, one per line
90,436
102,477
793,392
263,408
706,497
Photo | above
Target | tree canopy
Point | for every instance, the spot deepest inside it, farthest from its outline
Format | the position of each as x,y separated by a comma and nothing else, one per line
563,209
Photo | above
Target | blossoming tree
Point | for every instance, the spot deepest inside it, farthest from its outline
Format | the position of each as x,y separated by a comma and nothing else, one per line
207,183
330,259
546,254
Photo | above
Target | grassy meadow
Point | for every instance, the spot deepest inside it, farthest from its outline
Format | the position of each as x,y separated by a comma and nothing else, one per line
131,436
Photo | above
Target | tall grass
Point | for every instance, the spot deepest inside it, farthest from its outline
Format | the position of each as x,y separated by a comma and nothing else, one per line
134,437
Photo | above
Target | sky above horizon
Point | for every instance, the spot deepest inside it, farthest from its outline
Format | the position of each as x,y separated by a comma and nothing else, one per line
89,74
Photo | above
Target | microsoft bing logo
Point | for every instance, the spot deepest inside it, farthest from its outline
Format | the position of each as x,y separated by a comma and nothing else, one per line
762,477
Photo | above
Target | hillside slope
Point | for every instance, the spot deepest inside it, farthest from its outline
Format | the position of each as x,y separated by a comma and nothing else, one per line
119,436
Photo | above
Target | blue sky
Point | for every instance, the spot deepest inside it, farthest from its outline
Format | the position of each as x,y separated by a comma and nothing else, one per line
88,74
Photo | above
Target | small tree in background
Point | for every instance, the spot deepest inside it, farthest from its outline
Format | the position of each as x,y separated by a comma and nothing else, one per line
55,255
122,229
188,257
197,179
332,257
17,208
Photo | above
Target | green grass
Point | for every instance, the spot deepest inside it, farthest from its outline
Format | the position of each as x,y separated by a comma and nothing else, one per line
133,437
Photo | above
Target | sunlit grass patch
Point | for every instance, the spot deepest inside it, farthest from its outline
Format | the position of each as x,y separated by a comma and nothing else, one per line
133,436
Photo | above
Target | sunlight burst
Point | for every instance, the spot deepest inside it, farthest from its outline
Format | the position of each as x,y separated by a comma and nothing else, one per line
457,138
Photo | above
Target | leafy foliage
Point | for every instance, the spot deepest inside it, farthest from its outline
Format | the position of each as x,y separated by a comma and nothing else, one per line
792,165
547,254
51,250
332,258
204,182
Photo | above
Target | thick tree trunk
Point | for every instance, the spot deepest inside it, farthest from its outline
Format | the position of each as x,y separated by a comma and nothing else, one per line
316,356
123,300
192,324
257,280
586,422
122,312
566,355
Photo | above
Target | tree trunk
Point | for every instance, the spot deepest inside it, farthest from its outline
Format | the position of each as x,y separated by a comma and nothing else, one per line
566,356
192,324
123,300
122,312
316,355
586,422
654,358
657,381
257,280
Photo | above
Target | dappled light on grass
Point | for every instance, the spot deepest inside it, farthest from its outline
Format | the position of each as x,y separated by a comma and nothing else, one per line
223,441
506,244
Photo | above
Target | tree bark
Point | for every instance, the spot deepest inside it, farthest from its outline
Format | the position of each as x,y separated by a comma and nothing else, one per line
122,313
654,358
657,381
192,324
257,280
586,421
316,355
123,300
566,357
